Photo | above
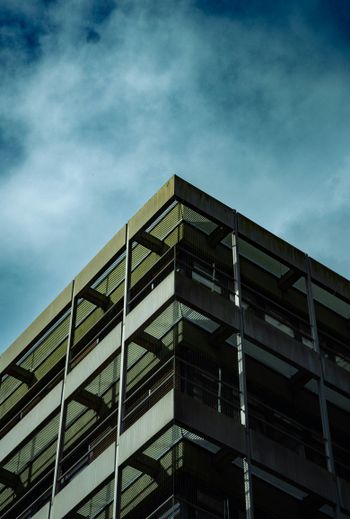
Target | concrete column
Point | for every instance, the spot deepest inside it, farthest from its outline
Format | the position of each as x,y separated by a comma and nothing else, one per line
243,395
122,379
62,421
320,382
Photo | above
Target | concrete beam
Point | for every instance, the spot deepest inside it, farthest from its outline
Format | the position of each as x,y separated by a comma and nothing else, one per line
191,235
224,457
152,243
91,401
289,278
9,479
150,344
148,465
217,235
96,298
221,335
300,379
24,375
198,340
311,504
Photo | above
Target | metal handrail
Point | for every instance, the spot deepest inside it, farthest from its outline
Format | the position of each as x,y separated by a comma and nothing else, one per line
102,332
86,441
276,304
174,360
200,259
24,496
160,368
207,373
147,397
100,425
90,312
291,421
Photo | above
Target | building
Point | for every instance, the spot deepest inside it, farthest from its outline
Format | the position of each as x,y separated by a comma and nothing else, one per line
197,367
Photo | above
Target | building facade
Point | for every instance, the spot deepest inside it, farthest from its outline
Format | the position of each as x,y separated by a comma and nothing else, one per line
198,368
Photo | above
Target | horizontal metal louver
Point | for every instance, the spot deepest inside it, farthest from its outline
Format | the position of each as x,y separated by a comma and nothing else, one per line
77,428
33,446
165,321
197,220
136,493
108,376
198,319
166,221
98,502
110,283
6,496
165,229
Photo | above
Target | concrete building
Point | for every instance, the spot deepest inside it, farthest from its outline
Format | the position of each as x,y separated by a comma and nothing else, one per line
197,367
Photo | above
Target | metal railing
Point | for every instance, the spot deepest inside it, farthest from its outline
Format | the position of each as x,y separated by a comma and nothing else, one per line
266,306
104,432
37,495
188,378
98,331
286,431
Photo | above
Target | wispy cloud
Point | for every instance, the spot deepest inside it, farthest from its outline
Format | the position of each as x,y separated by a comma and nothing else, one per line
102,103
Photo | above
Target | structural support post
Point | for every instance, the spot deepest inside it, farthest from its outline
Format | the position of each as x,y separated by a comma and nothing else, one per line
62,420
122,380
321,386
247,475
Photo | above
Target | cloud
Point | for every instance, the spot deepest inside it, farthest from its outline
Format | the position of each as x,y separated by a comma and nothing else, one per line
107,100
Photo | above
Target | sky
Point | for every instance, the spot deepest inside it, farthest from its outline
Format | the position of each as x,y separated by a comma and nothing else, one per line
101,101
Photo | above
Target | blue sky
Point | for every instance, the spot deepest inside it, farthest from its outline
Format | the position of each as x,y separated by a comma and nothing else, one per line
101,101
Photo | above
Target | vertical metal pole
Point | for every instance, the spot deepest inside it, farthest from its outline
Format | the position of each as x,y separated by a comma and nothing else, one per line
122,380
243,395
62,420
320,383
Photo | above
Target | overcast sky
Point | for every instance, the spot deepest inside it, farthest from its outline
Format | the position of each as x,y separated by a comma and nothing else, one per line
101,101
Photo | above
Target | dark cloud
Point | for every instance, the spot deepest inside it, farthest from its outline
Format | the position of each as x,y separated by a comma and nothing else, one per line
92,36
12,149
